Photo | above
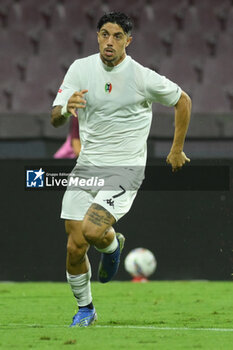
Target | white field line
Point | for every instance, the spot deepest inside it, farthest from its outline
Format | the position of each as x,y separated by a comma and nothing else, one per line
170,328
153,328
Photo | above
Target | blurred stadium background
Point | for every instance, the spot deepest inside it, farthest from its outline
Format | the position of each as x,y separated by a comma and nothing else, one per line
189,41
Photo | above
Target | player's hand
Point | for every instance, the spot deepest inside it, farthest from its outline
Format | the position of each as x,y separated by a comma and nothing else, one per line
177,160
76,101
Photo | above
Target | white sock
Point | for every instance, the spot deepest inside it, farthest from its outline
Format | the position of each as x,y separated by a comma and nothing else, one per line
111,248
81,287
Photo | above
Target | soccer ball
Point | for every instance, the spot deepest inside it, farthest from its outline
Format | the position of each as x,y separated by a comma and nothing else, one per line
140,262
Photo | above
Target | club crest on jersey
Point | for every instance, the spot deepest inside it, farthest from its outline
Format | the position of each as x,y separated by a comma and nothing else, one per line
108,87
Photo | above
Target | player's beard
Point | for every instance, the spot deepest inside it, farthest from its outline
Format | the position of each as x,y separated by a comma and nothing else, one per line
111,61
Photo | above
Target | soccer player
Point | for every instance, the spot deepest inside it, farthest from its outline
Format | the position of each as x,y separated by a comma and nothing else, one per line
113,95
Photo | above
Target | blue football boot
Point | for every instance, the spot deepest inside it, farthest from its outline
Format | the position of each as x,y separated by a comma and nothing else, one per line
109,263
84,317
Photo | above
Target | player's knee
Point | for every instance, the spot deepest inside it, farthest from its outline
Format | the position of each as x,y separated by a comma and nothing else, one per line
76,253
91,234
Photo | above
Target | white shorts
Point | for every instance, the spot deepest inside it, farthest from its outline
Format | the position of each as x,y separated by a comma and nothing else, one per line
76,203
116,195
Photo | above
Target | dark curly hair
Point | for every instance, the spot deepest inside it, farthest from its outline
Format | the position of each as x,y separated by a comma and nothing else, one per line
120,18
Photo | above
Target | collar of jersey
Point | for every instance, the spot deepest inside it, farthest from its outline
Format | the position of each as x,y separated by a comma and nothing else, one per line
116,68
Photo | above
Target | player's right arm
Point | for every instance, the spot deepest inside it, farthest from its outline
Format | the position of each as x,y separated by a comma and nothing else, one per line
60,114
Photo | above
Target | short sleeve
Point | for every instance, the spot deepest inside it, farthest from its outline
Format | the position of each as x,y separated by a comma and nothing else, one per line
69,85
160,89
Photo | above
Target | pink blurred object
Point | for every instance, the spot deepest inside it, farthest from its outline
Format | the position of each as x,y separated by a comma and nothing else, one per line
66,150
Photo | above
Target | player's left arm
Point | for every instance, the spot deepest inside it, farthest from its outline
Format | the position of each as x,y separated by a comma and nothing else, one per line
177,157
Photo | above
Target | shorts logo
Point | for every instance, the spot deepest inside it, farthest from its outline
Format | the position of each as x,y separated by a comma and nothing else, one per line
59,91
110,201
108,87
35,178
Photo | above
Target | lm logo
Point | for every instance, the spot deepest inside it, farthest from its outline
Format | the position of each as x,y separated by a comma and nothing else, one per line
35,178
108,87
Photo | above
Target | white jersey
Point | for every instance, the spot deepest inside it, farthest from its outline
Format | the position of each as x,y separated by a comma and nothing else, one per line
116,121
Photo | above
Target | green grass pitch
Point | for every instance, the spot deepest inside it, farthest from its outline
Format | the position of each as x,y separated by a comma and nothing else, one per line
154,315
